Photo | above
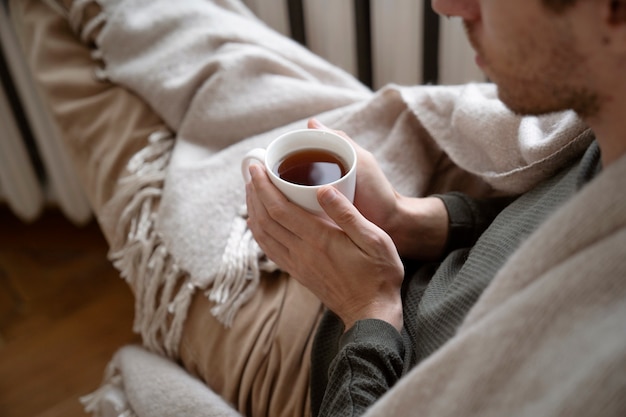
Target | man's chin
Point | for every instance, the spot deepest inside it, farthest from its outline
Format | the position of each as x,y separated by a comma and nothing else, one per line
526,105
529,103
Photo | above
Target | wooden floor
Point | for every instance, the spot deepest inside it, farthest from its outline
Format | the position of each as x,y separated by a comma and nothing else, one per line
64,311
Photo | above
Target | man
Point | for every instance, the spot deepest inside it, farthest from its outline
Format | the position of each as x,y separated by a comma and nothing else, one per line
507,307
542,259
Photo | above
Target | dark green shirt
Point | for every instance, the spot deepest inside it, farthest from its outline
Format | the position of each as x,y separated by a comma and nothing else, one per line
351,370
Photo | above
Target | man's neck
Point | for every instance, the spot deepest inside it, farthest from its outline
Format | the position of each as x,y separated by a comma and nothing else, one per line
609,127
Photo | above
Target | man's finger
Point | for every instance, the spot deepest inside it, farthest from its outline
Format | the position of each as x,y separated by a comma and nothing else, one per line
360,230
290,216
262,219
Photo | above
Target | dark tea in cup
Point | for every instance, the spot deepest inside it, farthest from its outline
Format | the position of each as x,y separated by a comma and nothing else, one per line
311,167
299,162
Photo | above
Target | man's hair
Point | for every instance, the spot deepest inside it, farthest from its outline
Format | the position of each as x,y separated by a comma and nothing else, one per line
558,5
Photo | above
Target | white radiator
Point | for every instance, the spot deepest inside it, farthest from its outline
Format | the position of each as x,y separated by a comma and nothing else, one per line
25,192
379,41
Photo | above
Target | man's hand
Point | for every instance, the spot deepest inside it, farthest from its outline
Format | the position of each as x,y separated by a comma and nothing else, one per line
348,262
417,226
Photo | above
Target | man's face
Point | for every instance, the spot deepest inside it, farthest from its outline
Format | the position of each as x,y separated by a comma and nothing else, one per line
531,53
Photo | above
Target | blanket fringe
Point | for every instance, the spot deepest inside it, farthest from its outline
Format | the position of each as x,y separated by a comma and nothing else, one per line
163,291
109,400
76,18
239,273
87,29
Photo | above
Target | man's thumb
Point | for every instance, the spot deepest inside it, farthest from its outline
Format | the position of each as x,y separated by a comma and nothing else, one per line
341,211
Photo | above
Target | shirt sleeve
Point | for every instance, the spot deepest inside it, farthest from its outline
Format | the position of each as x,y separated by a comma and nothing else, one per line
369,362
469,217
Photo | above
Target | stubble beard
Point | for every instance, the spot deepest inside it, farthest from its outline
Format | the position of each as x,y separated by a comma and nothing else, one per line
534,92
533,98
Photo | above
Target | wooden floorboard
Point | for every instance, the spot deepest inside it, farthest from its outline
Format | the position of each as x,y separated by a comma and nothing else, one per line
64,312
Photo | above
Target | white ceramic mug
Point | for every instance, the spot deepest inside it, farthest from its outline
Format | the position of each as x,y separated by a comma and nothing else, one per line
305,195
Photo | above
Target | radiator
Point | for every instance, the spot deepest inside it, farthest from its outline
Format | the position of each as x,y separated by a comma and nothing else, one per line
378,41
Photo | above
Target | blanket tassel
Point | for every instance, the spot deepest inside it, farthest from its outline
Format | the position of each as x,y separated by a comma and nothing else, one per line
109,400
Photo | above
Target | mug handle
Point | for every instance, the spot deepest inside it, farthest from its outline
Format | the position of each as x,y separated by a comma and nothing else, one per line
257,154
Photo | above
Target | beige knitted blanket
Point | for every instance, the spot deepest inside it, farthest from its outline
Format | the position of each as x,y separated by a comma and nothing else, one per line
225,83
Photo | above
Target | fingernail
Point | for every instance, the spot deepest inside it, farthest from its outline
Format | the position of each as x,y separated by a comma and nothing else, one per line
254,170
328,195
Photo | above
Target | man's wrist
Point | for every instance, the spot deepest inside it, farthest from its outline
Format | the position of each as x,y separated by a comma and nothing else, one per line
420,227
389,311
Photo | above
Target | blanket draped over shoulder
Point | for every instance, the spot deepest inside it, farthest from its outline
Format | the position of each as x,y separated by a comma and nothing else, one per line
177,223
